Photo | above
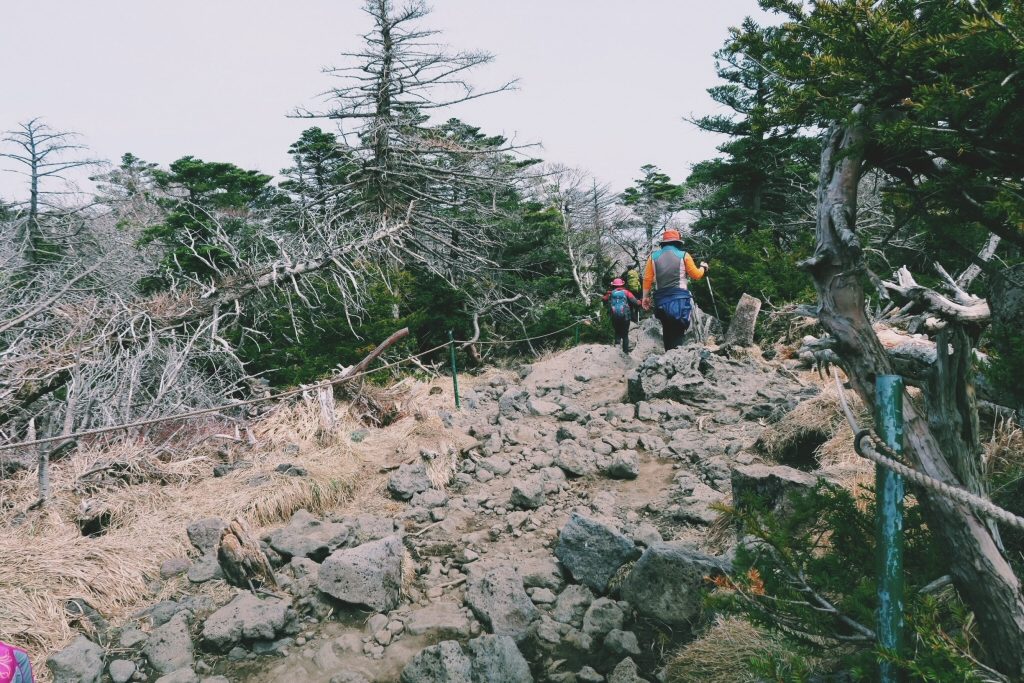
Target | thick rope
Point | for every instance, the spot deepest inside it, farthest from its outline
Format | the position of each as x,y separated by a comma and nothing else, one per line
880,454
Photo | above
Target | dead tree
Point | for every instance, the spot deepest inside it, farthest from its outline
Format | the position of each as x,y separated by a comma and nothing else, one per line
242,560
942,441
41,155
741,329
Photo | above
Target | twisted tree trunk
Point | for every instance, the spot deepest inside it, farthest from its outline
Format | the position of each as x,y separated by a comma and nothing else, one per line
981,574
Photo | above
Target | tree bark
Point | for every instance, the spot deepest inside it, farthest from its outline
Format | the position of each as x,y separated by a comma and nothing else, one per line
981,574
741,329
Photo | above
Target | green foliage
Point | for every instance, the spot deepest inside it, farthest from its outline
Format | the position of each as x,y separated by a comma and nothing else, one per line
655,199
208,208
824,545
1006,365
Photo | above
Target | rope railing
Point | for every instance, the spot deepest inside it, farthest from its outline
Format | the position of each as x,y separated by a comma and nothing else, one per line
64,438
880,454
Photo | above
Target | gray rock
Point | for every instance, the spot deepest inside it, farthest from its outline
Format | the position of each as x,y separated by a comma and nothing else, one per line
307,536
602,617
698,503
621,643
513,402
542,596
646,534
345,677
206,568
179,676
370,574
588,675
572,604
132,637
626,671
570,432
441,663
623,465
79,662
430,499
541,572
121,670
620,412
667,580
498,600
408,480
176,566
592,552
245,619
576,460
220,679
495,464
369,528
169,647
528,494
579,640
768,486
439,619
542,408
204,534
496,659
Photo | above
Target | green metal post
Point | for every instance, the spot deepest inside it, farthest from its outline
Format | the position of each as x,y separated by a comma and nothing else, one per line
889,501
577,328
455,371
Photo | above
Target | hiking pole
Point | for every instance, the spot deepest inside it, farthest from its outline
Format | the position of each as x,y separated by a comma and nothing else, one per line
712,293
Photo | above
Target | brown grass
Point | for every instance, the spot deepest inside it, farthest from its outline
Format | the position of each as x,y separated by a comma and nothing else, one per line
47,561
723,653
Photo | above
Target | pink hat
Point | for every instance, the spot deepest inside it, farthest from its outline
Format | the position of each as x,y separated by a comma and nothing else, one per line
618,282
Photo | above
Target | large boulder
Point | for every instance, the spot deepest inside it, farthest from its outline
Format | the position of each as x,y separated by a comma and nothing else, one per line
592,551
497,598
369,574
768,487
441,663
496,659
245,619
602,617
666,582
677,375
307,536
79,662
169,647
623,465
408,480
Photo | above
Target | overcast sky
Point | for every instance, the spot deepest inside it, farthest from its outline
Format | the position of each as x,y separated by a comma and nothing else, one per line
604,84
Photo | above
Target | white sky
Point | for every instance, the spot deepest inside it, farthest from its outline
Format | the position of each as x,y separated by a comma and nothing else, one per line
604,84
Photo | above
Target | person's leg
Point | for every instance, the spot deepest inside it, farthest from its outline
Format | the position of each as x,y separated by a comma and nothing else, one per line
673,331
621,330
625,336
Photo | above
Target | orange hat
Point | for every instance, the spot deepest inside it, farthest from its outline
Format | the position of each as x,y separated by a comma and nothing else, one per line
671,236
618,282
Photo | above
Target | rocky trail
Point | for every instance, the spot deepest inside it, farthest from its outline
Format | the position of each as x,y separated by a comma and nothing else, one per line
567,537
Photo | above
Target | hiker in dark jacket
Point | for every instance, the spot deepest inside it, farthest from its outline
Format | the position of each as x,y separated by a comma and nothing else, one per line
620,302
666,276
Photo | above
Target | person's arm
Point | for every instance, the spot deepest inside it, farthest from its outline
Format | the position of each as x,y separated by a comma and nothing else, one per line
632,299
648,283
606,295
692,271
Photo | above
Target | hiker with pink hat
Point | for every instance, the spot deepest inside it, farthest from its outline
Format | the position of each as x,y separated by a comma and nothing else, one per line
620,300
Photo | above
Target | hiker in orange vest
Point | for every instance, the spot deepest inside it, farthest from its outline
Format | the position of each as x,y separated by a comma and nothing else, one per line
666,277
620,300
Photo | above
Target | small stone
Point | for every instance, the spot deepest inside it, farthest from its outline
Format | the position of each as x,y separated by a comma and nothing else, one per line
589,675
542,596
408,480
132,637
206,568
602,617
621,643
484,476
121,670
626,671
383,637
528,494
376,622
438,515
179,676
176,566
204,534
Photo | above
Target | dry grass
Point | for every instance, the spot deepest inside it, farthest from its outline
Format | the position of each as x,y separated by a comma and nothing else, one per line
723,653
47,560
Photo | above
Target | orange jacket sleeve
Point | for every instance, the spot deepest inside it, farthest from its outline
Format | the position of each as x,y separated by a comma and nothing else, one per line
648,276
692,271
